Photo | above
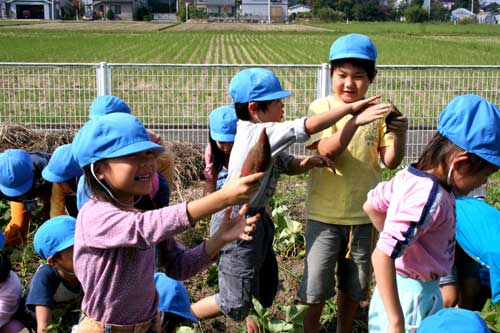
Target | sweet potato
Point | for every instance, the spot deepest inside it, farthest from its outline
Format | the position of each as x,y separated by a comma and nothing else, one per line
259,157
391,115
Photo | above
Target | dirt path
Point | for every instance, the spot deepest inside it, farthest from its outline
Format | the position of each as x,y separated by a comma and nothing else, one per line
243,26
96,25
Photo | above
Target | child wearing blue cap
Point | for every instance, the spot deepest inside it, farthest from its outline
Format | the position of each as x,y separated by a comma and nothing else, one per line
54,286
222,123
10,294
453,320
248,269
415,213
338,232
22,184
114,254
63,171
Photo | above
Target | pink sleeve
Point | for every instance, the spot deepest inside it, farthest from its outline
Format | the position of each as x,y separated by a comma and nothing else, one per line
380,197
102,225
208,164
407,214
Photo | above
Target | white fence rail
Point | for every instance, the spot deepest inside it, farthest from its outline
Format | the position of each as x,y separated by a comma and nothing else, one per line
175,99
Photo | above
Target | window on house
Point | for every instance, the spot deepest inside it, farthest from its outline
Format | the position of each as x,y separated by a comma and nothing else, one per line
116,9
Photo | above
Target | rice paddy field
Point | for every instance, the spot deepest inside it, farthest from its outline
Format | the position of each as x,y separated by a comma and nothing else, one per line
146,42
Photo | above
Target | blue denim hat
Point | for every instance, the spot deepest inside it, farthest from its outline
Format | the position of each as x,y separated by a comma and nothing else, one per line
107,104
16,172
353,46
452,320
223,123
62,166
473,124
111,135
256,84
2,240
174,297
55,235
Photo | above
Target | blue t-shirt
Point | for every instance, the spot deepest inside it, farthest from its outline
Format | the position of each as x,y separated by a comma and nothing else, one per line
48,289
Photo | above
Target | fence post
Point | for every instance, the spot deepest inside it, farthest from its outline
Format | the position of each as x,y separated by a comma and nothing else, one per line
103,79
323,89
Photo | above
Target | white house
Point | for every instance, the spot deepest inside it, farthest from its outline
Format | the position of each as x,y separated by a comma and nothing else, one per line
27,9
298,8
217,7
260,10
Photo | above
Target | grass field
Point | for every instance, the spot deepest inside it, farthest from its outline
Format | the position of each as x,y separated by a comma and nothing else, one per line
397,43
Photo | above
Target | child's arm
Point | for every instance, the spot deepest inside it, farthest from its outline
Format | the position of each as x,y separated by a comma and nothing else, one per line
43,318
236,191
393,155
377,218
337,143
304,164
231,229
318,122
385,275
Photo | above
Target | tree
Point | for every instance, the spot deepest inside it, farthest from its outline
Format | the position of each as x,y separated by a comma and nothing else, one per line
368,10
416,14
76,6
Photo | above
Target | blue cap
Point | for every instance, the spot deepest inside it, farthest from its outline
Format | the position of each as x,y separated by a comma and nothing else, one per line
223,123
2,240
452,320
107,104
473,124
82,193
174,297
353,46
16,172
111,135
256,84
62,166
55,235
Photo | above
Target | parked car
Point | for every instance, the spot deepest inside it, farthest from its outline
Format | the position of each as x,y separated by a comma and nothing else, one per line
89,16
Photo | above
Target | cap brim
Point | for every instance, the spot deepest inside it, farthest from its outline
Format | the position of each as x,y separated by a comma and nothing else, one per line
17,191
347,55
187,315
223,137
271,97
51,177
490,158
135,148
64,245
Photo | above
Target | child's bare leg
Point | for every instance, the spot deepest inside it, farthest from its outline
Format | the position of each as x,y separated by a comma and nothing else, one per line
206,308
312,318
450,295
347,309
252,326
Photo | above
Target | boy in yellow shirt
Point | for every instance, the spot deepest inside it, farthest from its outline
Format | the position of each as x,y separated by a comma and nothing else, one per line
338,231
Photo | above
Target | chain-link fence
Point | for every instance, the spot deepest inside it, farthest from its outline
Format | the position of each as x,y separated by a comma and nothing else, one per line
175,99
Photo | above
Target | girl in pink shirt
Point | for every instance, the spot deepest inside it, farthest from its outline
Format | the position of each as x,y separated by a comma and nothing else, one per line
113,251
415,214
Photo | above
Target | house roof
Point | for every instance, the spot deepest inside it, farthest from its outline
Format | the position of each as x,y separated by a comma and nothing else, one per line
111,1
30,1
299,5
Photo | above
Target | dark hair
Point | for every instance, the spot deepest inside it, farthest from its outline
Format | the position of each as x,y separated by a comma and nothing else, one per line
242,109
436,152
367,65
5,267
95,188
217,156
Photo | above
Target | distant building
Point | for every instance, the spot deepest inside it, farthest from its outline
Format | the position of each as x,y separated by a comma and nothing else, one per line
26,9
259,10
122,9
461,14
217,7
486,17
298,8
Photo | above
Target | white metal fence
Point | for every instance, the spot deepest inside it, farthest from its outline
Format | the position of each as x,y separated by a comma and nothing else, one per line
175,99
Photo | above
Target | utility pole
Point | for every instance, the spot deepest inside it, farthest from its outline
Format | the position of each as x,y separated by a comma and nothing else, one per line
472,6
53,5
269,11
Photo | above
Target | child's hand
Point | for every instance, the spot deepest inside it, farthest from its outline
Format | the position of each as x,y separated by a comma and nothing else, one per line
360,105
237,227
398,125
374,112
240,190
318,161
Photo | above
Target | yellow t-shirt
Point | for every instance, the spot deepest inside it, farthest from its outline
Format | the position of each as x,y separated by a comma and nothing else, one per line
337,198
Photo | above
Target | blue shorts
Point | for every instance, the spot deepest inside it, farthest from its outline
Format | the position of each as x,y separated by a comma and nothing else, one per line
464,268
418,300
326,248
247,269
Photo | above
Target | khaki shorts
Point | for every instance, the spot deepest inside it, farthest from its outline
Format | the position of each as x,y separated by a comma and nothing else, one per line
89,325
